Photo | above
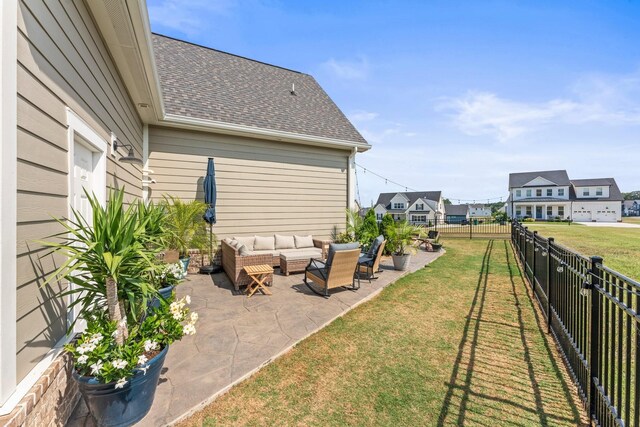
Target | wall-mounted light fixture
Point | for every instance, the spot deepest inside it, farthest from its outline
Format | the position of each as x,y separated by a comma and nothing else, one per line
130,157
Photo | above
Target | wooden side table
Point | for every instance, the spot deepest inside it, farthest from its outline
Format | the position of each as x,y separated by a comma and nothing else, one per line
258,274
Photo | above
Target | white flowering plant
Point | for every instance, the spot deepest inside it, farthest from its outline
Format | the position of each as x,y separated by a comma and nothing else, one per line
171,274
96,352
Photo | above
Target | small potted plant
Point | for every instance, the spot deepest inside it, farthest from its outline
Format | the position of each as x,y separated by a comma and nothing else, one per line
110,262
400,242
185,227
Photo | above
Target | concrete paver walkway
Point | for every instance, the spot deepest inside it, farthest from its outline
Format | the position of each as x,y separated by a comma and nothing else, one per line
238,335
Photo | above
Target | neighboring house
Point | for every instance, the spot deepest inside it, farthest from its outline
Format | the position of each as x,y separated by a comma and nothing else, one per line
479,211
631,208
457,214
551,194
416,207
78,76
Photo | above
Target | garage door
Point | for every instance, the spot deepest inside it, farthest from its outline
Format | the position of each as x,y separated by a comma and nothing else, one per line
606,215
582,215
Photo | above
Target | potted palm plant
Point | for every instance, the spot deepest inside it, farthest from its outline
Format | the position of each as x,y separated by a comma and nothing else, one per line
185,227
109,267
400,243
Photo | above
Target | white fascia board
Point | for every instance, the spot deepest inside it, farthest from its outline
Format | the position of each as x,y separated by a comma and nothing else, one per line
181,122
8,197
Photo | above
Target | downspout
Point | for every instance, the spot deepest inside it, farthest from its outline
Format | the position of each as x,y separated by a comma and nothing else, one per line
146,177
351,179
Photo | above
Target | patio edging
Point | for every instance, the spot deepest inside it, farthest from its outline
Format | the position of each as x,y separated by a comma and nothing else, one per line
286,350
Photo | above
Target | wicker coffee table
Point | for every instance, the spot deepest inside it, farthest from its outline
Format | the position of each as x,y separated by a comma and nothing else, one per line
290,264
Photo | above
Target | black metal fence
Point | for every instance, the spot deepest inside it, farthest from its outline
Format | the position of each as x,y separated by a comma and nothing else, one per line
475,227
592,312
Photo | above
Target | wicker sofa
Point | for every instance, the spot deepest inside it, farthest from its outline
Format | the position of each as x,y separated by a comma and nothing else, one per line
238,252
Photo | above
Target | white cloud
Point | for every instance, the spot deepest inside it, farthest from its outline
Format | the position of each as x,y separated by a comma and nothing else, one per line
606,100
189,17
362,116
357,69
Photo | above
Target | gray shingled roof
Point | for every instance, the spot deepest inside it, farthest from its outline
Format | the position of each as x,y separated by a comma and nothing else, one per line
461,210
559,177
384,199
614,190
204,83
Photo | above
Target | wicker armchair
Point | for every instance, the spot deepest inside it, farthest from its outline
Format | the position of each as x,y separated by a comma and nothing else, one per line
339,274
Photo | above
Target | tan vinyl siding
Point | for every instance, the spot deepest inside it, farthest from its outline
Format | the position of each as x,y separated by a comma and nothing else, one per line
264,187
62,62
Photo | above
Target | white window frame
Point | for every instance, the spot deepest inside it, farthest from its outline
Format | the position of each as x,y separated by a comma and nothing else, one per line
561,192
518,193
419,206
585,192
561,211
420,217
598,191
398,205
549,192
538,192
549,211
529,192
379,216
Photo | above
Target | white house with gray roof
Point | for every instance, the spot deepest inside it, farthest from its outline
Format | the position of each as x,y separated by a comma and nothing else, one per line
546,195
418,207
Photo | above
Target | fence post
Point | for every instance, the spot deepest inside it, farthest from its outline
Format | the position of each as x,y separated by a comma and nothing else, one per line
524,252
594,333
533,260
550,241
470,228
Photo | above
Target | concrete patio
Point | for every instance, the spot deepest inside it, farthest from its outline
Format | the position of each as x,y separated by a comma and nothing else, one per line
238,335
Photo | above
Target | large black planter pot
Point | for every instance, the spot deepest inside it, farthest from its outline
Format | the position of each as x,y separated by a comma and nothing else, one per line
120,407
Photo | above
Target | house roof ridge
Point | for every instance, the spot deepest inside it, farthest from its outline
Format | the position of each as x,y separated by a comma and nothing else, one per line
228,53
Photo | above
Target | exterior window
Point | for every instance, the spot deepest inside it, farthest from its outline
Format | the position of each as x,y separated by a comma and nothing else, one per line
419,206
585,192
549,211
398,206
528,193
560,191
561,211
518,193
539,192
418,218
528,209
549,192
599,191
379,217
518,211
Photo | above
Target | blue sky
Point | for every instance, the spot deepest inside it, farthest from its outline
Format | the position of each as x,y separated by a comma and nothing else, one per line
452,95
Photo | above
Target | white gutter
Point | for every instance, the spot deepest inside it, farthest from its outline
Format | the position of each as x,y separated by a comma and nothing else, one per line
172,120
351,179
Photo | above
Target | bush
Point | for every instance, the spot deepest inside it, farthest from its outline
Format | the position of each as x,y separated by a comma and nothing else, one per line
386,228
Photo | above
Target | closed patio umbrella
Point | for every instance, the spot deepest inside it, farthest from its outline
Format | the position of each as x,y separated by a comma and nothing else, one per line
210,195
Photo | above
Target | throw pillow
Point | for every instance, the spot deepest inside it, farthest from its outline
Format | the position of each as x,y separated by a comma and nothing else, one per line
285,242
264,243
304,241
249,242
242,250
334,247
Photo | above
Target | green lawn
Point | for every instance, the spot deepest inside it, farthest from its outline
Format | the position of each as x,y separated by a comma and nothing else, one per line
456,343
631,219
620,247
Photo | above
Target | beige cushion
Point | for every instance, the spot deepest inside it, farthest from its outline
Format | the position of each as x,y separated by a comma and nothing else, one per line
285,242
264,243
242,250
300,254
247,241
303,241
273,252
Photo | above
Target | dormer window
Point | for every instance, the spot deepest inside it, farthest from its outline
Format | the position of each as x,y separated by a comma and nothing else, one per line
419,206
560,191
585,192
539,192
398,205
599,191
528,193
549,192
